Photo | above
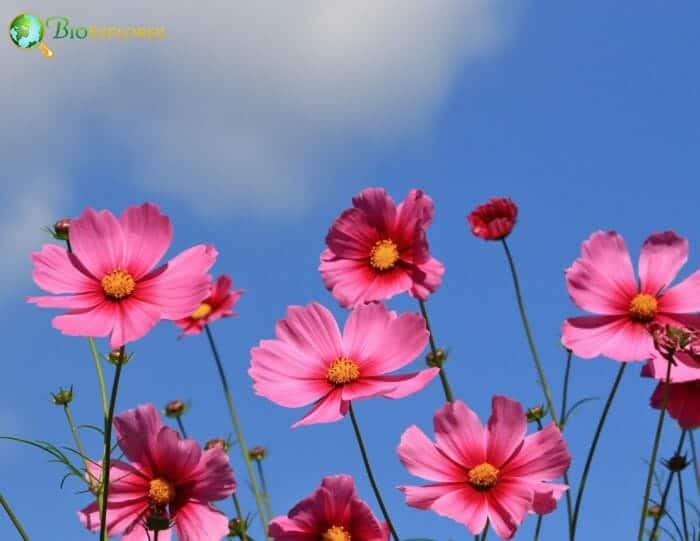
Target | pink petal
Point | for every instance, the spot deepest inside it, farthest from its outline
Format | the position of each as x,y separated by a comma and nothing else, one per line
386,285
95,321
312,330
286,529
506,429
147,235
213,478
57,271
615,337
662,256
433,272
179,286
328,409
126,482
459,434
543,456
200,522
509,501
134,319
97,241
378,207
683,297
335,498
367,388
416,207
422,459
546,497
380,342
175,459
83,301
351,236
120,515
683,402
602,280
406,384
346,279
136,431
364,524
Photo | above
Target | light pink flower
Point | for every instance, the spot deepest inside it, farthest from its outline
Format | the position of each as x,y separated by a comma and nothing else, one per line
602,281
377,249
217,305
478,473
333,512
167,475
311,362
108,282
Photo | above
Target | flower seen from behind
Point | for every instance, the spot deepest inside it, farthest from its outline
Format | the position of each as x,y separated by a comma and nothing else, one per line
218,304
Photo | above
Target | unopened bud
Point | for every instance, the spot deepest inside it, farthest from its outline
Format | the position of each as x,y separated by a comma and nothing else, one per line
677,463
237,528
60,229
117,356
217,443
654,511
63,397
257,453
535,413
436,359
175,408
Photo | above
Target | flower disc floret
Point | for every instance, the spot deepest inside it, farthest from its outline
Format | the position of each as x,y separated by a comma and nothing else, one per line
643,307
161,491
342,371
483,477
118,284
384,255
336,533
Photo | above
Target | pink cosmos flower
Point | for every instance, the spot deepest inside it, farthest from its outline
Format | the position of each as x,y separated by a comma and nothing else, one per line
494,220
217,305
377,249
333,512
108,282
167,476
602,281
310,361
478,473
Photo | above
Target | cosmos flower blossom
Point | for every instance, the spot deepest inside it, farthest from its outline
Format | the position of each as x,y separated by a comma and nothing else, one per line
602,281
167,476
108,282
311,362
494,473
333,512
493,220
217,305
377,249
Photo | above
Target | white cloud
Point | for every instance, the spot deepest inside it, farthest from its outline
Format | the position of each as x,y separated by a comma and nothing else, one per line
241,102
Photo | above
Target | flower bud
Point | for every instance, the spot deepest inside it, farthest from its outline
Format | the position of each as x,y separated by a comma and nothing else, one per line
257,453
677,463
116,356
60,229
175,408
63,397
238,528
535,413
436,359
654,511
217,443
494,220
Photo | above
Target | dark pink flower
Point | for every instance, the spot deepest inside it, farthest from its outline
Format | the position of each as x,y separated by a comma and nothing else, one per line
217,305
167,476
377,249
333,512
109,283
478,473
602,281
494,220
311,362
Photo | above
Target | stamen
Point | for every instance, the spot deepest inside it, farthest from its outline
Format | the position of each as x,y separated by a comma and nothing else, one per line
342,371
643,308
336,533
203,311
483,477
384,255
118,284
161,492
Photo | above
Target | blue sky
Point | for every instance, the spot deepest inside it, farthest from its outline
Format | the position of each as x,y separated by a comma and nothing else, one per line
586,115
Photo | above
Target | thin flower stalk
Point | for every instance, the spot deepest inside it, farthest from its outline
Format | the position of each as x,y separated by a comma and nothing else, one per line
433,348
667,489
13,518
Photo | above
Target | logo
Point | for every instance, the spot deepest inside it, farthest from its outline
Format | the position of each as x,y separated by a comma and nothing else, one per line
27,32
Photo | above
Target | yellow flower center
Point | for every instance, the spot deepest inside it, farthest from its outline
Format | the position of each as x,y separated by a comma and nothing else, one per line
203,311
483,477
342,371
161,492
118,284
336,533
384,255
643,307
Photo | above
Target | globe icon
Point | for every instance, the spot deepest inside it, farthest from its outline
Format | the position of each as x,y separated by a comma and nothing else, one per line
27,31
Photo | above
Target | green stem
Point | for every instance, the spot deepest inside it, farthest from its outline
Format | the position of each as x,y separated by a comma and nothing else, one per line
433,347
591,452
370,475
237,428
530,341
485,532
100,376
181,427
654,451
682,497
538,528
13,518
696,466
266,495
104,489
667,489
239,515
562,416
79,446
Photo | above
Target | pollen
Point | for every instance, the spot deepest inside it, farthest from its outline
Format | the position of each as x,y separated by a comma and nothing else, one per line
643,307
118,284
161,492
336,533
342,371
203,311
384,255
483,477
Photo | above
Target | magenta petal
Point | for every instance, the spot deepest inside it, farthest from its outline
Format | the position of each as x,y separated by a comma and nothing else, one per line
134,318
546,497
465,505
506,429
422,459
147,236
509,501
95,321
417,207
136,431
350,236
683,402
213,477
459,434
97,241
200,522
433,271
367,388
618,338
328,409
346,279
543,456
120,515
176,458
407,384
683,297
378,207
662,256
57,271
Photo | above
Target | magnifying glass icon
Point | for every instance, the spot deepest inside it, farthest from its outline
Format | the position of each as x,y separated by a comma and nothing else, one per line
27,32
